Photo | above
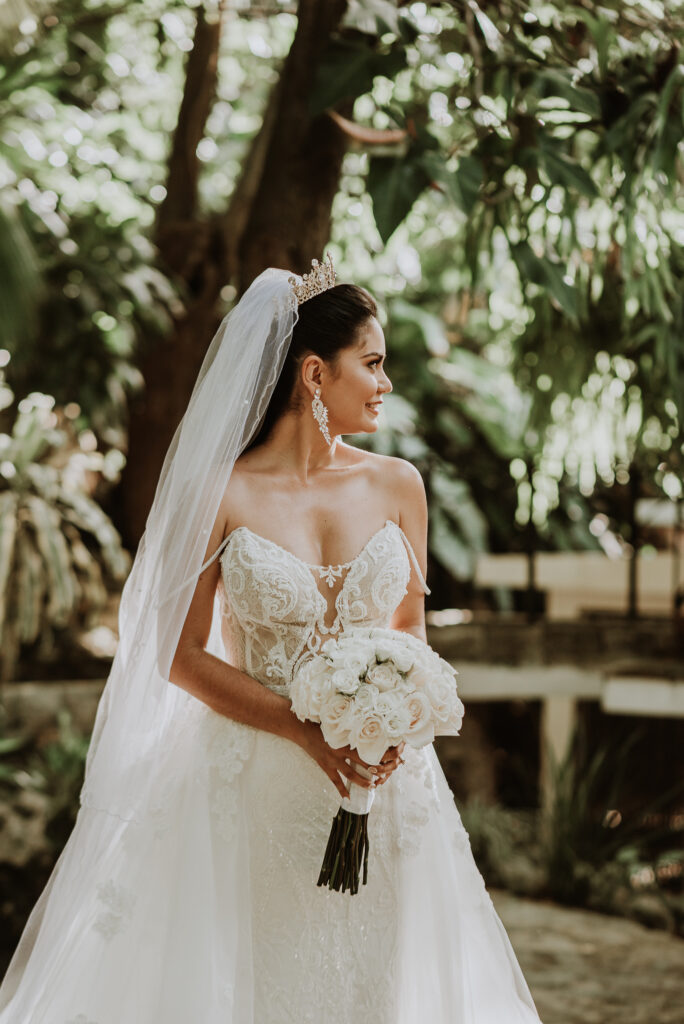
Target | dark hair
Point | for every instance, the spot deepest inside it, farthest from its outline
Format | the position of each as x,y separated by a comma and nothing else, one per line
327,324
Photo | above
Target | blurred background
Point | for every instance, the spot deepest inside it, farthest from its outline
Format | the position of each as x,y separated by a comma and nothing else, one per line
507,179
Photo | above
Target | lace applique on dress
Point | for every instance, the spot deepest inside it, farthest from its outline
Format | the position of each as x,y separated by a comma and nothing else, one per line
227,745
274,612
118,903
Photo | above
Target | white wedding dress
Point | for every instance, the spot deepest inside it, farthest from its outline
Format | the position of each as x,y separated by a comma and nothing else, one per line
162,934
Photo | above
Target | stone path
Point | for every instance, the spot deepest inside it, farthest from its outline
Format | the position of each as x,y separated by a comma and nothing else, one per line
587,968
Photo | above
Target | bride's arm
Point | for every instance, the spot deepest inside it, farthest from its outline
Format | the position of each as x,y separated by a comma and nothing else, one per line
235,694
410,496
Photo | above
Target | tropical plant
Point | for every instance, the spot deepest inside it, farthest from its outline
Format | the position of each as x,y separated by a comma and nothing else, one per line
583,833
58,549
512,169
57,769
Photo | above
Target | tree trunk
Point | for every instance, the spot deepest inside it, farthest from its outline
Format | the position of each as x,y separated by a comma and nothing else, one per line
279,215
290,216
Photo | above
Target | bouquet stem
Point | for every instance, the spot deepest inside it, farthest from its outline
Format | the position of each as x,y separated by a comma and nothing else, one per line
346,855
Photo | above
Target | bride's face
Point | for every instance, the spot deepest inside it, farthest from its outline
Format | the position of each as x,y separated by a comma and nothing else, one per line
353,392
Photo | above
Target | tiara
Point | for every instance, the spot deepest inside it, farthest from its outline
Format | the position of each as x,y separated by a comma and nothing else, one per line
319,279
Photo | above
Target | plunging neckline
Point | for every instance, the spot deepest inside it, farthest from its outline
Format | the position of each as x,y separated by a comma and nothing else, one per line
325,572
309,565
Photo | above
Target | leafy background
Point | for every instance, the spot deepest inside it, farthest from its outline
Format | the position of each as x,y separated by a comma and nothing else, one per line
510,190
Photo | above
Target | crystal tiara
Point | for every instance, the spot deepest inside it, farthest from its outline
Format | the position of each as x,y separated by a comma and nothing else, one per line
319,279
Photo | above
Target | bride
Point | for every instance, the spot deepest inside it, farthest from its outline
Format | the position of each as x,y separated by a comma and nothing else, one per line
187,892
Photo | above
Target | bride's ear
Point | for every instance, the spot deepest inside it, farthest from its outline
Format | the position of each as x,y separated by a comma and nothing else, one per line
311,372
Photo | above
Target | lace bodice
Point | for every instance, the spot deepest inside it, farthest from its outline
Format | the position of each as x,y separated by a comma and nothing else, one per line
277,608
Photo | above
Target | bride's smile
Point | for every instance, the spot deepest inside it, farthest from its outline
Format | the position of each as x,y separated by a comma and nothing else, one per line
353,390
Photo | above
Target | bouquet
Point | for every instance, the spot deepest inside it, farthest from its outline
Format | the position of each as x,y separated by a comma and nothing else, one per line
372,689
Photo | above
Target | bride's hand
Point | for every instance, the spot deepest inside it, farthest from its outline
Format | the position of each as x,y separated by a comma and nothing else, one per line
389,762
335,762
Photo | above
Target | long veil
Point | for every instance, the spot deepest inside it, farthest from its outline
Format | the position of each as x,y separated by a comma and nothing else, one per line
139,757
226,408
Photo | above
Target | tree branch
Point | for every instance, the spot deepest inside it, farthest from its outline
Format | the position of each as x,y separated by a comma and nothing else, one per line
180,203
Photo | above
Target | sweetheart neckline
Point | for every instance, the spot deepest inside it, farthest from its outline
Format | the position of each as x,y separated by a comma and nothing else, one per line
309,565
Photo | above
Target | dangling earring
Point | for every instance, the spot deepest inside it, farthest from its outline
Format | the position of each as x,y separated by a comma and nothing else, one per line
320,414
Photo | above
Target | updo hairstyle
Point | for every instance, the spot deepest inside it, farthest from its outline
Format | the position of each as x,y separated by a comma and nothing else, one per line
327,324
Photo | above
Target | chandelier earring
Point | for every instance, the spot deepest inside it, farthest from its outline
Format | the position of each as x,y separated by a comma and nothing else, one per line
320,414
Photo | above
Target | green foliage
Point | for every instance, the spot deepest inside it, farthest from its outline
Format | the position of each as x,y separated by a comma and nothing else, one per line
54,769
57,546
57,769
76,168
552,216
497,836
581,851
394,185
22,286
351,65
580,837
530,215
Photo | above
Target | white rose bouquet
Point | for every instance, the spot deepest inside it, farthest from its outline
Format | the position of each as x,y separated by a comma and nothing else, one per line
372,689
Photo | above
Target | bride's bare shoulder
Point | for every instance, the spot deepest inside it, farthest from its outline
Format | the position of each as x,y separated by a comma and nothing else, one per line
391,472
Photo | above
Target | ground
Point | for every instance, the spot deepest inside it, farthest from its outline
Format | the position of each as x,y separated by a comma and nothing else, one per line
587,968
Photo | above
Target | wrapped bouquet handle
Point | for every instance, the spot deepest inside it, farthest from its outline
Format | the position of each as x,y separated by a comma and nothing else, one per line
346,855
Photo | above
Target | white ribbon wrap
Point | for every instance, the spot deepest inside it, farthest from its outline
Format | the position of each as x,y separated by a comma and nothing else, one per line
360,799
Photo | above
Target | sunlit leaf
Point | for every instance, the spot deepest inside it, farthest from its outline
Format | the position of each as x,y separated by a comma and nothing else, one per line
347,70
548,275
394,185
562,170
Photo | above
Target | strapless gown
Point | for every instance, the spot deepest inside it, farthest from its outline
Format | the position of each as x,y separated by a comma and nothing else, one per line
161,933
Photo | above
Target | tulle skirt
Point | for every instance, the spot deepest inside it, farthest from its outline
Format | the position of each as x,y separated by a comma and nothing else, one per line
207,911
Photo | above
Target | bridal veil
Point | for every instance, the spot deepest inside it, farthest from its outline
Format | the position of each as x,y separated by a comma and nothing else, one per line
138,760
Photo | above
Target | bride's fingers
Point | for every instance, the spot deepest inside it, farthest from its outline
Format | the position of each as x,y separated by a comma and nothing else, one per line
390,763
337,782
350,772
353,754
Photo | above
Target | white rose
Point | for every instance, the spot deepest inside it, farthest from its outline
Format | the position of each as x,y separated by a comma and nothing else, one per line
404,687
363,651
440,692
455,719
350,652
421,730
420,675
370,738
310,688
396,652
397,722
384,676
384,647
345,680
403,658
387,702
357,661
335,720
365,698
